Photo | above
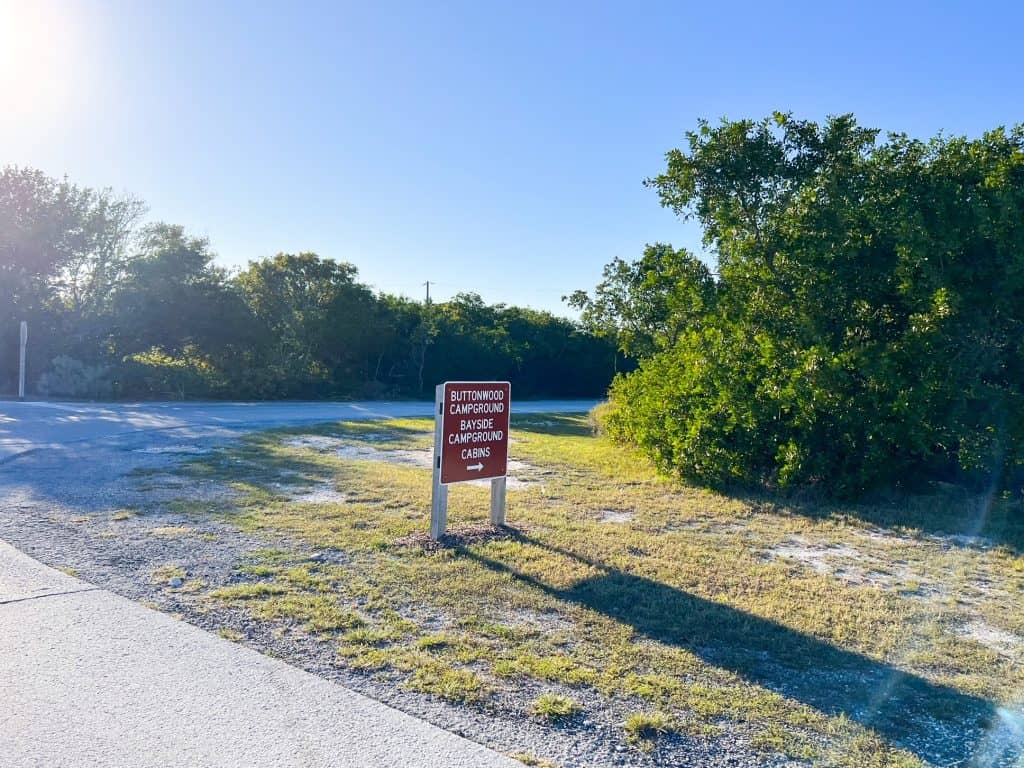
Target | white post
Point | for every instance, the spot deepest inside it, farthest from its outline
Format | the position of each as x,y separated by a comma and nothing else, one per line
439,495
498,501
21,360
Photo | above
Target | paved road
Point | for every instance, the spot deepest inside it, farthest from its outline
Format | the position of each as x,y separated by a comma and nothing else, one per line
31,425
88,678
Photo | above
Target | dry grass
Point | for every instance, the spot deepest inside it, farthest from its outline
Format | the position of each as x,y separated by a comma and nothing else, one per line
685,605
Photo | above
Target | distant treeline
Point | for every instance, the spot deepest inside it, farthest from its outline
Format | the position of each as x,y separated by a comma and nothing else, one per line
121,310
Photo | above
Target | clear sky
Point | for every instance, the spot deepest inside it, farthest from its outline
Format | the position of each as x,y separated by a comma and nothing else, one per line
489,147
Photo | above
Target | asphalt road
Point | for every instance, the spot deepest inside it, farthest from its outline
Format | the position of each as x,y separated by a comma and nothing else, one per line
26,426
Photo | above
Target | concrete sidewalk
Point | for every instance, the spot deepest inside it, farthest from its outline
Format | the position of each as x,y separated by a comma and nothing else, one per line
88,678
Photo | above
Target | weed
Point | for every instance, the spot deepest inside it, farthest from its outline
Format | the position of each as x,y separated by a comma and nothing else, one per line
165,574
534,762
457,685
643,728
553,706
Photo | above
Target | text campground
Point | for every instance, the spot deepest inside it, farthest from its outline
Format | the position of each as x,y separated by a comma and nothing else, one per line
468,402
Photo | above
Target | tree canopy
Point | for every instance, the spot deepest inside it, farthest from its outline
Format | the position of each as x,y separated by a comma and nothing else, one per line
864,327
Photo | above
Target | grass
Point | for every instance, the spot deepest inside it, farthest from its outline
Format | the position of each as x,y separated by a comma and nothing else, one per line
536,762
644,728
456,685
688,611
554,706
165,574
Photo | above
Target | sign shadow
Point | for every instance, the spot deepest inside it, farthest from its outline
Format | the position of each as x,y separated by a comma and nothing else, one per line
939,724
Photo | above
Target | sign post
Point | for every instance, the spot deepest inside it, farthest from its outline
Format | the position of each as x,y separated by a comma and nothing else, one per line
471,423
21,360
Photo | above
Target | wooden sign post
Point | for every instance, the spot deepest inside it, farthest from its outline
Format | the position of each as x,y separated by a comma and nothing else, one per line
471,422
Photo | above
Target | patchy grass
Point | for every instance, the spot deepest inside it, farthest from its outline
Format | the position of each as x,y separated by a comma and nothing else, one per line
554,706
644,728
841,635
527,759
165,574
461,686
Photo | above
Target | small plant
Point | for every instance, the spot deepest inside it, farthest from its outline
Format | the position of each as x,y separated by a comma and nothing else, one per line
460,686
166,574
536,762
435,642
553,706
366,636
642,728
246,591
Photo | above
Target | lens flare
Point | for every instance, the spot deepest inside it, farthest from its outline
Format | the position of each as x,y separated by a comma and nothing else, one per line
40,64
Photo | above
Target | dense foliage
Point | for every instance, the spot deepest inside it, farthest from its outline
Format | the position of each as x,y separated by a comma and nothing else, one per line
117,309
866,324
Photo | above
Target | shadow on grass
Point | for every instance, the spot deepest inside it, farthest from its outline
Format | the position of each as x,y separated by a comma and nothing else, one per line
356,430
937,723
575,425
257,463
962,517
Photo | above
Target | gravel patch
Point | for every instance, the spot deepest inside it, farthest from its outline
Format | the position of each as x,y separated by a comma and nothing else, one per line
314,442
321,493
405,458
458,536
354,451
614,516
859,567
109,512
991,637
174,449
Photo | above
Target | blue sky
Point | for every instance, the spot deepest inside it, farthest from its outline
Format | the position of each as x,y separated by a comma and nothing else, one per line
497,148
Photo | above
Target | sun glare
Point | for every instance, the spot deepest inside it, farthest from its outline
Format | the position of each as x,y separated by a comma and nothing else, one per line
38,59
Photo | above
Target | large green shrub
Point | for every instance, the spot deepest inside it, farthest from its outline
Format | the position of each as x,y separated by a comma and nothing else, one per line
868,318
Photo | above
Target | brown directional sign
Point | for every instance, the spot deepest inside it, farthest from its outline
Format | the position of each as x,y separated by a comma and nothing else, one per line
474,430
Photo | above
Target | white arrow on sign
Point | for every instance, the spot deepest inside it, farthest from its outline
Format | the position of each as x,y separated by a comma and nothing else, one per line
476,467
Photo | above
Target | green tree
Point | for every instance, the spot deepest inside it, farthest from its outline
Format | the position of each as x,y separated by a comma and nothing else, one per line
866,327
646,304
317,317
62,250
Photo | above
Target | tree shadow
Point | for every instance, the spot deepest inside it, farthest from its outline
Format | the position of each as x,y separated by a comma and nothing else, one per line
574,424
937,723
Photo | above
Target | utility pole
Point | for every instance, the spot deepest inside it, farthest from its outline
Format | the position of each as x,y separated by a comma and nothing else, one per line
428,290
21,360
